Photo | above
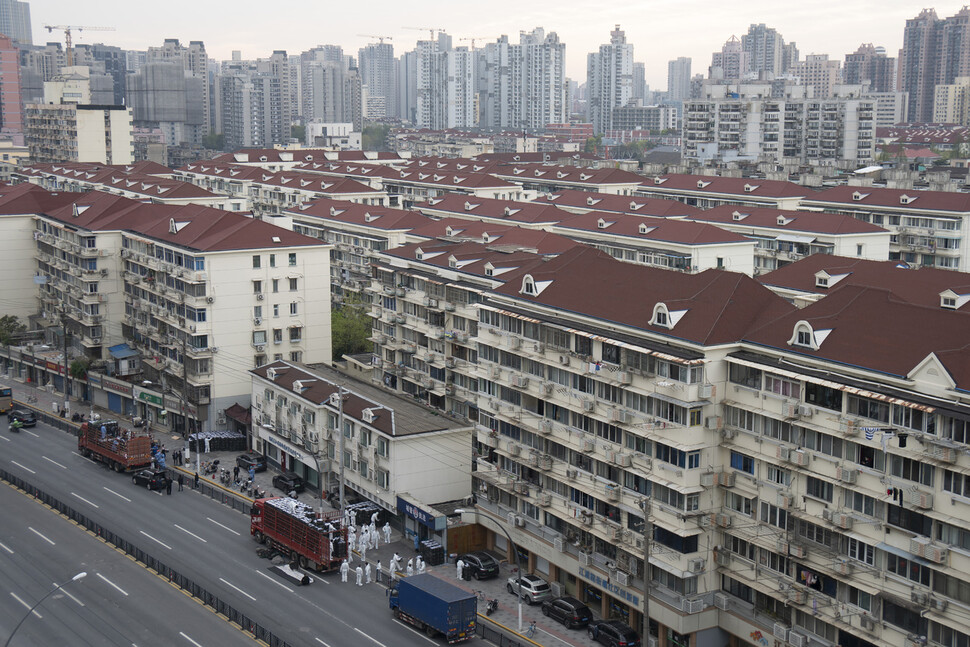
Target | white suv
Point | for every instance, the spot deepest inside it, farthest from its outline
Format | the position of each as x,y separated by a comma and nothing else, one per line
534,589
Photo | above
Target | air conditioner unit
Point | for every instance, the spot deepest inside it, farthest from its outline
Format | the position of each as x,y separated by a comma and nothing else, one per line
921,499
589,405
618,415
260,297
545,426
780,631
796,550
714,423
708,479
260,347
589,444
584,559
805,411
725,479
827,514
939,604
694,605
617,534
572,474
564,360
622,578
696,565
547,388
843,566
786,500
800,457
920,598
867,623
842,520
729,433
723,520
210,299
624,377
846,474
797,640
545,499
781,453
559,544
721,601
513,448
520,381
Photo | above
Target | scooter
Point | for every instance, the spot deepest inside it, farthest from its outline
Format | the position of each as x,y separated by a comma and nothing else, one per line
211,468
491,606
16,425
245,485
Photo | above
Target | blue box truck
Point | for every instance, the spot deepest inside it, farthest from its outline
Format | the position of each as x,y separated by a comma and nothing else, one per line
435,606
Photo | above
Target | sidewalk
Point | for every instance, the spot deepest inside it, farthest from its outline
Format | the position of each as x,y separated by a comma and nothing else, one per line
549,633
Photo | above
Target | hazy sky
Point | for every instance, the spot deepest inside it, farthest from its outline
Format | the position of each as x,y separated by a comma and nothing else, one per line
659,31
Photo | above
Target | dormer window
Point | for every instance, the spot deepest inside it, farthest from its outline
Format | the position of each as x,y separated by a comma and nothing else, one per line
821,281
749,188
782,221
452,261
529,286
952,300
906,199
489,269
602,224
419,254
660,318
858,195
449,231
738,216
948,302
590,202
804,336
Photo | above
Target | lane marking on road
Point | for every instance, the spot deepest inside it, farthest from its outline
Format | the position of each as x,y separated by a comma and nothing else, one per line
321,642
418,633
118,495
217,523
274,581
23,467
78,455
85,500
4,438
237,588
17,598
370,637
120,590
6,549
63,467
155,540
41,535
190,533
182,633
68,594
32,434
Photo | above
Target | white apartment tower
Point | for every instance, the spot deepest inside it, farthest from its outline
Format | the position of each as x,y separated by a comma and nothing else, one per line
376,62
678,79
609,80
444,85
194,60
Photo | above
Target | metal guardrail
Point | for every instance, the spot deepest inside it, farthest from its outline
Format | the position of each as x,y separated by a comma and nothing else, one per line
247,624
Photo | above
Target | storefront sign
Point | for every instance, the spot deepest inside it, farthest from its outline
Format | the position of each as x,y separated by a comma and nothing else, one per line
179,406
117,386
149,397
53,366
94,379
425,518
279,443
605,584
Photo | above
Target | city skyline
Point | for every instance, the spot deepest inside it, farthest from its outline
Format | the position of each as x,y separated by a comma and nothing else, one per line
699,28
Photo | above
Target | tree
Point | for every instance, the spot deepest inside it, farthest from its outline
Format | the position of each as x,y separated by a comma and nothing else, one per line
298,133
79,369
214,141
374,137
351,325
10,327
593,143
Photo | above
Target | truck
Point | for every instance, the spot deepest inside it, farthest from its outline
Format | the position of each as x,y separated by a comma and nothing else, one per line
436,606
120,449
317,541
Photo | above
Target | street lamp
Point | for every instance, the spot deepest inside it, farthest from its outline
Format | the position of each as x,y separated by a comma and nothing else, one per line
337,400
57,588
518,562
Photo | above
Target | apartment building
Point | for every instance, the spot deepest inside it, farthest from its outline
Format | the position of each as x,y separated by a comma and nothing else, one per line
609,80
198,292
926,226
705,192
70,132
783,237
312,420
585,201
754,467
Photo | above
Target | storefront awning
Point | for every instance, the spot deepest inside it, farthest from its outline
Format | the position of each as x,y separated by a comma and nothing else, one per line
122,351
240,414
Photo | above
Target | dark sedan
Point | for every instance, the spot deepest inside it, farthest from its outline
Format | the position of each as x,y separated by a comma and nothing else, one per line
152,479
26,417
245,460
613,633
569,611
479,565
288,482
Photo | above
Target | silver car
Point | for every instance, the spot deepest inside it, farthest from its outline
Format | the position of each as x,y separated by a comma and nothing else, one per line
534,589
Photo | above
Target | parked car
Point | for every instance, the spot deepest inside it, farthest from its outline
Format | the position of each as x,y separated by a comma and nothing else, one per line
152,479
613,633
534,588
288,481
25,416
479,565
569,611
257,461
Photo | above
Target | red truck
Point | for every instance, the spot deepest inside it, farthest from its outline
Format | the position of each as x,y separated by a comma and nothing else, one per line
120,449
294,529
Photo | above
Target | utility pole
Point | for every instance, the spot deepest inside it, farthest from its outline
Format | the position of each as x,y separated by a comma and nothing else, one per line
337,400
67,395
647,538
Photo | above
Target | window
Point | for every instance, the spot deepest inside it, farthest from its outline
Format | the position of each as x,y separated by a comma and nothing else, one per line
745,376
257,287
908,568
272,260
292,259
742,462
259,337
276,310
294,309
256,262
738,503
382,478
804,338
911,470
818,488
276,285
257,311
779,475
781,386
823,396
293,283
860,551
296,356
296,334
773,515
383,447
277,335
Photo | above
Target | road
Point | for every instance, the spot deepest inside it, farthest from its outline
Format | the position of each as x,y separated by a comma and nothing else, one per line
208,542
118,603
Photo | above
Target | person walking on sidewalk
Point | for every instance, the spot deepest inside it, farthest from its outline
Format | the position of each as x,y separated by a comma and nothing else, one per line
168,486
380,571
196,480
181,480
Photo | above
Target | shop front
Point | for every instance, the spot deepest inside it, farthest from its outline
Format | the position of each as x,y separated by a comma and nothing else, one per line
287,456
420,522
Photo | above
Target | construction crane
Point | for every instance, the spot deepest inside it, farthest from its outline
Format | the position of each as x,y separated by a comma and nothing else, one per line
430,30
67,36
474,38
380,38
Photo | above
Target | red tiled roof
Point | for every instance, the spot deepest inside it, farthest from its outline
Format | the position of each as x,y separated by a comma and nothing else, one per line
647,228
26,198
376,217
619,203
471,258
531,212
920,286
880,197
253,155
874,329
809,221
497,235
726,185
721,307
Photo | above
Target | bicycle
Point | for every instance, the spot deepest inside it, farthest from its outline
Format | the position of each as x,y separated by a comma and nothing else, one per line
31,399
531,631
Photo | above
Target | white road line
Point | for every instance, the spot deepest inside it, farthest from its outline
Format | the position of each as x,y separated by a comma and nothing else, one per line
155,540
238,589
190,533
41,536
76,454
15,597
117,495
85,500
6,549
370,637
55,462
418,633
215,522
4,438
274,581
182,633
65,592
32,434
321,642
120,590
23,467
